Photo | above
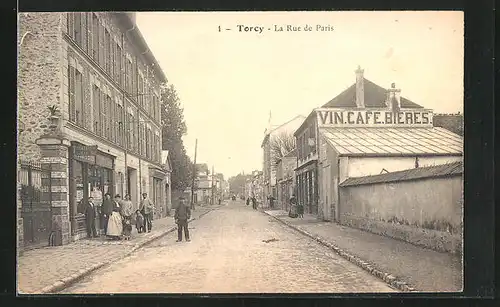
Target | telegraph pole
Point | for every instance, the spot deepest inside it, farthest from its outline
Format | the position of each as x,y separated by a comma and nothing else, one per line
194,174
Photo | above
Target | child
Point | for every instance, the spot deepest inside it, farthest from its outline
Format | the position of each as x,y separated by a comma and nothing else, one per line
139,221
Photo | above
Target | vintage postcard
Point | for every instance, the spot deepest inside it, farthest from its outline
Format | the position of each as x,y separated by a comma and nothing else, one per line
240,152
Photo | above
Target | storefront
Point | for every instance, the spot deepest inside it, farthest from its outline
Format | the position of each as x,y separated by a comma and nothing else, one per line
156,191
90,175
307,191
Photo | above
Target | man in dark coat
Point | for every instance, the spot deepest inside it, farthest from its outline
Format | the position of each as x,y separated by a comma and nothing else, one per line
254,202
107,209
182,215
90,215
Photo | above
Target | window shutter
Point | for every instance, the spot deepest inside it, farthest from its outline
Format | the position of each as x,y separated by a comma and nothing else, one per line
71,23
71,93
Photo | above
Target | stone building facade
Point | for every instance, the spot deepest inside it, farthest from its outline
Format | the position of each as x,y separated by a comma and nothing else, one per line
102,134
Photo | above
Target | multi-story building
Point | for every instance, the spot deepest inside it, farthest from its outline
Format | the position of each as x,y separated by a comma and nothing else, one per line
269,170
102,133
365,130
286,178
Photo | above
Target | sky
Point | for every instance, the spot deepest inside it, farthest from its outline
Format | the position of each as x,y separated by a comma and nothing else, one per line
229,81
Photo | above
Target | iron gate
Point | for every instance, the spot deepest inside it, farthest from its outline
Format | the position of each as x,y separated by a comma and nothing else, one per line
35,211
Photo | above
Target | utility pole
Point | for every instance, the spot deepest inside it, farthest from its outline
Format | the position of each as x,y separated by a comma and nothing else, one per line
194,174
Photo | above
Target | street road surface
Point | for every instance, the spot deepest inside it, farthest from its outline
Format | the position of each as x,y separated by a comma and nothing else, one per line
228,254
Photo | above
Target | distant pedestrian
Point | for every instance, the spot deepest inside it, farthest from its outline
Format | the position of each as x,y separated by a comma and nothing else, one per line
182,215
90,216
147,210
126,211
293,207
115,223
254,203
107,209
248,201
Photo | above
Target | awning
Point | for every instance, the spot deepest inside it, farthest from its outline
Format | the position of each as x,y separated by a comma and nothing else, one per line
393,141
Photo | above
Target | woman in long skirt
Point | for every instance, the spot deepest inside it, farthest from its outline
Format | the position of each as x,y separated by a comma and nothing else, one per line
115,226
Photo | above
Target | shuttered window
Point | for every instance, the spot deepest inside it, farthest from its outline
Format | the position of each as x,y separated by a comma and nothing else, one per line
71,93
107,51
109,117
96,110
95,37
79,111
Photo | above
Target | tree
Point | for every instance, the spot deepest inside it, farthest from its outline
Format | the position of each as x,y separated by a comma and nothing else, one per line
281,145
173,128
237,183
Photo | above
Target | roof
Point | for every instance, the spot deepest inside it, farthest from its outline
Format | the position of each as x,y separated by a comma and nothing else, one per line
276,127
432,141
375,97
443,170
129,22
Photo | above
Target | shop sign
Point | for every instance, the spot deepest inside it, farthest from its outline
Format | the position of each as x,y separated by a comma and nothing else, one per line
374,118
84,153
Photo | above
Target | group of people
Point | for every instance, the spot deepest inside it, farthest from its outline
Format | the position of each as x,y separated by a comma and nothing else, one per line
253,200
118,215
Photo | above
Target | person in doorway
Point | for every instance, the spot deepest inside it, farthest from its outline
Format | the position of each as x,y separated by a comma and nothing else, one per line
126,211
90,215
115,222
293,207
147,211
107,209
182,215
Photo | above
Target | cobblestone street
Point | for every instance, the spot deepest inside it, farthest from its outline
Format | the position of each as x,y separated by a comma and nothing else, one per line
42,267
233,249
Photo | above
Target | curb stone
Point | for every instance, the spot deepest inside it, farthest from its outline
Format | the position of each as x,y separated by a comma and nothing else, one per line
386,277
67,281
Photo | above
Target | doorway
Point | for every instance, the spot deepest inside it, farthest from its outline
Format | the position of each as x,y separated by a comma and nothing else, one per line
132,186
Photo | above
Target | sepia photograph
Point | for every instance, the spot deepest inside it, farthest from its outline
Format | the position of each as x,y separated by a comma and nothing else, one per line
240,152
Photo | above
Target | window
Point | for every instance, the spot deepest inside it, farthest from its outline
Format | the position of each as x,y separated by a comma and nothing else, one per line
71,93
75,96
104,113
140,97
95,37
101,46
85,31
107,51
96,109
130,131
109,117
118,63
120,125
128,76
79,112
148,143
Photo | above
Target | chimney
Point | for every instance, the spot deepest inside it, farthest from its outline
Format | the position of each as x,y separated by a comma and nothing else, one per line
393,100
360,90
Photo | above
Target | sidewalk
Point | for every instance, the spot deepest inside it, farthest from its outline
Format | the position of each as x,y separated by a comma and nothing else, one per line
50,269
401,264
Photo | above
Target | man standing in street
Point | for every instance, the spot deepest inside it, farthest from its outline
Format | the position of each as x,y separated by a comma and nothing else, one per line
90,215
147,210
182,215
107,209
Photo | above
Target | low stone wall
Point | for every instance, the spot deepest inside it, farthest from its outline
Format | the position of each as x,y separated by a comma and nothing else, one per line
437,240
